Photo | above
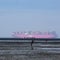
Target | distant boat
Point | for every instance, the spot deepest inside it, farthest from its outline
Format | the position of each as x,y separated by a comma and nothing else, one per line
34,35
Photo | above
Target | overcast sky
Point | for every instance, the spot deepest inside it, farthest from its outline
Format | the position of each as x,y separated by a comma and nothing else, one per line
26,15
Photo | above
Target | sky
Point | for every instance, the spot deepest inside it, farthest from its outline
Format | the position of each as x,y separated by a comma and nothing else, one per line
29,15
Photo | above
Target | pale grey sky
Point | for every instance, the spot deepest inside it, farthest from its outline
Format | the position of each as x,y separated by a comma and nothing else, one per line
26,15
